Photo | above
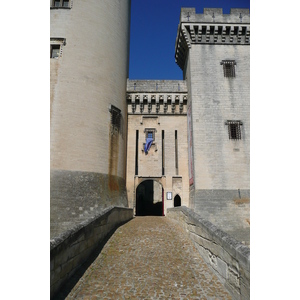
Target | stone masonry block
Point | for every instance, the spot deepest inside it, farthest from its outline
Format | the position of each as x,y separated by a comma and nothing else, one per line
74,250
55,274
227,256
61,258
52,264
208,244
243,255
65,269
222,267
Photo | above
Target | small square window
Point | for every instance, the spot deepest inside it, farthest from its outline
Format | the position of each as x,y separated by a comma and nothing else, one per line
228,68
56,3
54,51
149,139
150,133
66,3
234,130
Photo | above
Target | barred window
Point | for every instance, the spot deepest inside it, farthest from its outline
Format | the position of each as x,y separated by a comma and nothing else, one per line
150,133
60,4
234,129
115,117
228,68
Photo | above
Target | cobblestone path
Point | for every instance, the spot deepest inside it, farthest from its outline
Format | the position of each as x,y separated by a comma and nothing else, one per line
149,258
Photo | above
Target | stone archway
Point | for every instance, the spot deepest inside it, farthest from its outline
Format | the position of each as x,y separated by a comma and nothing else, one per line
177,201
149,198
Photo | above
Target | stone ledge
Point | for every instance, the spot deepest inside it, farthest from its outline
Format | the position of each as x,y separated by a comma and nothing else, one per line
70,249
229,258
63,236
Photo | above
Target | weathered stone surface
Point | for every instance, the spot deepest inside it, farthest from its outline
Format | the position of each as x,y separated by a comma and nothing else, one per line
87,162
150,165
223,209
228,257
74,193
71,249
149,258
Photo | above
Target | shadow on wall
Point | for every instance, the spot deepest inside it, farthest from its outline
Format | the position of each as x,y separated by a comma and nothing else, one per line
67,288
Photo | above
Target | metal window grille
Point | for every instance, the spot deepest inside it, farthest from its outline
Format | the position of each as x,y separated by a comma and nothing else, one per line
150,133
234,130
228,68
65,3
115,117
60,4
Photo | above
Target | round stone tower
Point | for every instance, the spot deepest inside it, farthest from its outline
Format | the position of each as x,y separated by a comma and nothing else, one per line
89,59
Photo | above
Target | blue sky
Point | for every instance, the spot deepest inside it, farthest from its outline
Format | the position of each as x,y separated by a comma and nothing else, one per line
153,34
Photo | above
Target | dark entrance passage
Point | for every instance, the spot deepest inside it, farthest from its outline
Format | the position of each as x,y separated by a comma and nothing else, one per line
149,199
177,201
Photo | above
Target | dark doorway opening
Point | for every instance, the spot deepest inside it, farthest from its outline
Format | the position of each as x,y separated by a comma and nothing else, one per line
177,201
149,201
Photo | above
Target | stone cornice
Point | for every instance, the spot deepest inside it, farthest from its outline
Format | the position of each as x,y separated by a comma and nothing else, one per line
157,103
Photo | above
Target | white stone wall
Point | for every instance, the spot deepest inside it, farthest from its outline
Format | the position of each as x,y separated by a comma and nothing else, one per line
89,76
88,162
219,163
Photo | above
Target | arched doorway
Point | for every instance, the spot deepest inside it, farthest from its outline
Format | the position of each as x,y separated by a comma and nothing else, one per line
177,201
149,198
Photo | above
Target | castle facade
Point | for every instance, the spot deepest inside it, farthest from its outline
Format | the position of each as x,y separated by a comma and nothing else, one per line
149,144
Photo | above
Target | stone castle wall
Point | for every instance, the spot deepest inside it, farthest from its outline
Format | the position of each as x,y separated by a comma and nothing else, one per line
88,156
150,165
220,167
160,162
216,99
89,152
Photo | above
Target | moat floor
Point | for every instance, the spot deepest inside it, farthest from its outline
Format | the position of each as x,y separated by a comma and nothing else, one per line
149,258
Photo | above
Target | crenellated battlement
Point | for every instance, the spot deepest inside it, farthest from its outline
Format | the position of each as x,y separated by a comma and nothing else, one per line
214,15
156,86
211,27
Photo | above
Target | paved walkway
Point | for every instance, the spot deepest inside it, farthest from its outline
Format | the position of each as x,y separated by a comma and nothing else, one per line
149,258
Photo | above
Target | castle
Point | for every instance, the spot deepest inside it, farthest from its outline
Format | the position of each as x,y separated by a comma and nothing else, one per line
149,144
